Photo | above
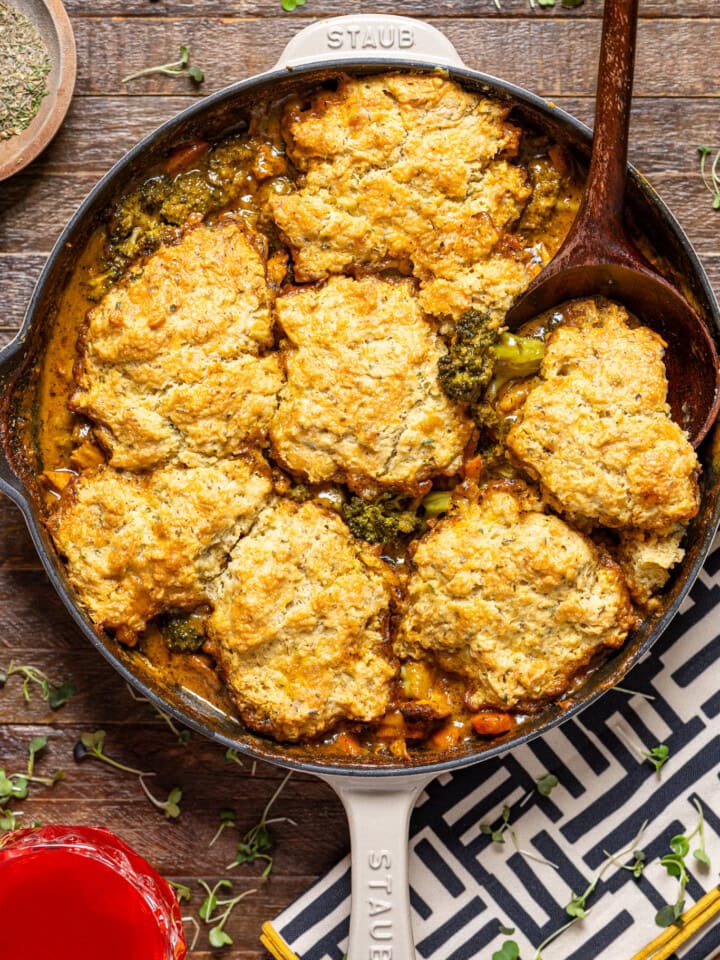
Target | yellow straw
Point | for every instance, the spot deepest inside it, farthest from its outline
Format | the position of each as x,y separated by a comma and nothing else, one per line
274,943
664,945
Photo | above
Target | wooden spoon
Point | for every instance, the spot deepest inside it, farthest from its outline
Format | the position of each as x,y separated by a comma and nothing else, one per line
597,256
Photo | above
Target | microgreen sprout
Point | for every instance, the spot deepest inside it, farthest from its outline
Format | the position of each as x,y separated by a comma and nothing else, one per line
553,936
290,5
171,806
8,819
92,745
258,841
657,756
497,834
232,756
36,746
13,786
196,930
181,67
546,784
228,818
182,891
674,863
217,935
633,693
54,694
183,736
577,907
700,853
637,866
508,951
528,853
713,184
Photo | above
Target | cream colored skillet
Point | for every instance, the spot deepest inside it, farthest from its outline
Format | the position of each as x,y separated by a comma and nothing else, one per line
378,795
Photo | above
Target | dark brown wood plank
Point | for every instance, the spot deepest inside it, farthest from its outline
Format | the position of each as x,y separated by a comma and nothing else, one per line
552,58
426,9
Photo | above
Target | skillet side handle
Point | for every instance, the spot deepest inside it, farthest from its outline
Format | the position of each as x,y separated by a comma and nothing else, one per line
379,811
369,36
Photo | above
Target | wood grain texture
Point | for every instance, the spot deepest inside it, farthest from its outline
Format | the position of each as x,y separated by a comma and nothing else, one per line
428,9
550,57
551,51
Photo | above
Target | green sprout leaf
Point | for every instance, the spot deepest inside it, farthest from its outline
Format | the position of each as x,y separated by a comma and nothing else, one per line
228,818
257,843
232,756
680,845
218,937
508,951
638,864
182,891
177,68
92,746
546,784
55,695
658,756
506,931
290,5
171,806
8,820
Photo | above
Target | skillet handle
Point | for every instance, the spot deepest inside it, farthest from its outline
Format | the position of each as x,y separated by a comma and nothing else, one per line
378,811
367,36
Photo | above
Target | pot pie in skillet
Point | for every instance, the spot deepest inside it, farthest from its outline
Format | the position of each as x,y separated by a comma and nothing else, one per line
300,465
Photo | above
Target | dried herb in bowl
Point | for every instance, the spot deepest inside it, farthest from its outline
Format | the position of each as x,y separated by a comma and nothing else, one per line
24,66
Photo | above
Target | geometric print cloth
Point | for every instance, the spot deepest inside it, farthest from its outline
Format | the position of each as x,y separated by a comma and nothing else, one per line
463,885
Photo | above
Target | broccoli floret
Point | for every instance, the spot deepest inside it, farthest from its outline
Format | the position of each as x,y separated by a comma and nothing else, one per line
392,515
190,193
517,357
466,369
299,492
182,633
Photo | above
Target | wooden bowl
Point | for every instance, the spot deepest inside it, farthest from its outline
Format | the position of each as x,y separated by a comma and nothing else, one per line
53,24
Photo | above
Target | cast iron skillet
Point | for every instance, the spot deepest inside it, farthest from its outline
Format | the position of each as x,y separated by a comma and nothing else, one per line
378,795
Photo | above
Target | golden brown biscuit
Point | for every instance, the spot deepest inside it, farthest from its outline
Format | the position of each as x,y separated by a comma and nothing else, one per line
513,599
646,558
596,430
137,546
171,366
411,172
300,624
363,403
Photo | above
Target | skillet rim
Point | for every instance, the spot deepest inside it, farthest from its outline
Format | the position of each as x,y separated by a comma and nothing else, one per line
13,361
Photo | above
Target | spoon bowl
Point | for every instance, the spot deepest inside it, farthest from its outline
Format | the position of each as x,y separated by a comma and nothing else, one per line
598,258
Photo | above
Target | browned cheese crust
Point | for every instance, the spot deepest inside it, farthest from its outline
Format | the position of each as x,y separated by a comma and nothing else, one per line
363,403
513,599
171,365
300,624
596,429
137,546
411,172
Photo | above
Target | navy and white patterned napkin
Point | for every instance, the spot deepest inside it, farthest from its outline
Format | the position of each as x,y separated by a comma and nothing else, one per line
463,885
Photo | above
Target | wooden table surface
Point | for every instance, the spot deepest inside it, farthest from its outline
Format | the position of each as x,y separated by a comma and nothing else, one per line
550,51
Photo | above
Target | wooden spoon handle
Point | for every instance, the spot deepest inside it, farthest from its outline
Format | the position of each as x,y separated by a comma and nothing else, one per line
605,192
